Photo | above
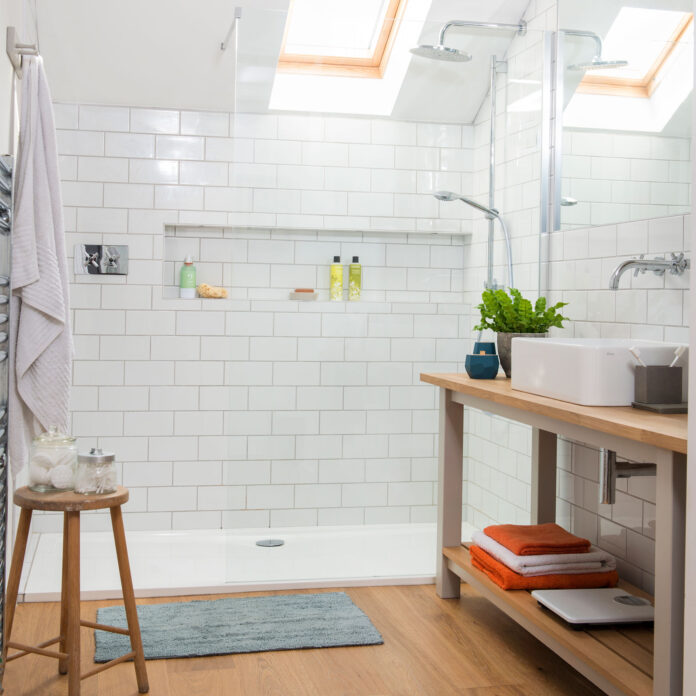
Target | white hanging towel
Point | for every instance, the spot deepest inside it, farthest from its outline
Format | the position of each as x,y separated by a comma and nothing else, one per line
40,338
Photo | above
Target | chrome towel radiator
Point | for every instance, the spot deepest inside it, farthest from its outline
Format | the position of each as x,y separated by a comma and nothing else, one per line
6,171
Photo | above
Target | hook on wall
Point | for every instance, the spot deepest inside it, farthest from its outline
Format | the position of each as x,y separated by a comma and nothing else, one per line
15,50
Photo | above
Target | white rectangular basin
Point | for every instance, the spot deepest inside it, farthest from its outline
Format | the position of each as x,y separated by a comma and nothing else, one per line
587,371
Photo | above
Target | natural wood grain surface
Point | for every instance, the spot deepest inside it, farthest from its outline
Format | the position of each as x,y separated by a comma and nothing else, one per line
68,501
433,647
615,654
129,598
660,430
18,552
72,594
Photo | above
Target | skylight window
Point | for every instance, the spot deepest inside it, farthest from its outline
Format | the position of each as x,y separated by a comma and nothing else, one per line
327,82
645,38
340,37
644,95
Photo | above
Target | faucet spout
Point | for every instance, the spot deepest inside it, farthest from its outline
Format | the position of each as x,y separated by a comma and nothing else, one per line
676,265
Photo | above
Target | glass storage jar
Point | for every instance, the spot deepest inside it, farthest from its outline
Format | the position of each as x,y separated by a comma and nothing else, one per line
52,461
96,472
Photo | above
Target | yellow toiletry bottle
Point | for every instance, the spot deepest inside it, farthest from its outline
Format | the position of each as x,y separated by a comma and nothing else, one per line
336,290
354,279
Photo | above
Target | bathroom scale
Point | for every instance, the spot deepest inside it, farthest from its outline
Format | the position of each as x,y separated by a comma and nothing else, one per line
605,605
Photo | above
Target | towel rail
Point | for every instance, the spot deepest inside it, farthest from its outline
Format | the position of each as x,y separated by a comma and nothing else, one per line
6,174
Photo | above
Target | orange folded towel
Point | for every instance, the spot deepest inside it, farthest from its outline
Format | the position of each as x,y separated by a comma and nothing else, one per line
536,539
510,580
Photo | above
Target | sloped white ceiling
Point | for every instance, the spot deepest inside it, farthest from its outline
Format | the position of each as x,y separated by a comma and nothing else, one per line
166,53
453,92
158,53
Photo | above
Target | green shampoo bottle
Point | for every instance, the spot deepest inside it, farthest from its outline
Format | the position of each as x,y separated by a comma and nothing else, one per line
354,279
336,284
187,279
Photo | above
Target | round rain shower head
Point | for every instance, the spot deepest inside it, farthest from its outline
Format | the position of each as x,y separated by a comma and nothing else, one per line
598,64
439,52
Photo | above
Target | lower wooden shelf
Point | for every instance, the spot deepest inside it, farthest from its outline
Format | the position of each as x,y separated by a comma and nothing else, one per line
618,660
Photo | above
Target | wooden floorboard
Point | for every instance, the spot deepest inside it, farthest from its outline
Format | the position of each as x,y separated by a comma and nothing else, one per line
432,647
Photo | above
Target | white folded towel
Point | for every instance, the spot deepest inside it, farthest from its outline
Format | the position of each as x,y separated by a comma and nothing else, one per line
40,339
594,561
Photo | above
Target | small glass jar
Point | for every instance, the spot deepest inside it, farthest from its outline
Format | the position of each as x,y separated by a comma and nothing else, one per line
96,472
52,462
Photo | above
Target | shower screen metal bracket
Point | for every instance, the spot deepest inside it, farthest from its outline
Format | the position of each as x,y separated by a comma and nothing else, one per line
237,16
15,50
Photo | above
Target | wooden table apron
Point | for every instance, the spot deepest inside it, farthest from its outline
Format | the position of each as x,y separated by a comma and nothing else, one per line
670,510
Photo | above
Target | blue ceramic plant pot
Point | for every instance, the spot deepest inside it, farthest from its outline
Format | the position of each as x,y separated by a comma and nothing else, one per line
488,347
482,366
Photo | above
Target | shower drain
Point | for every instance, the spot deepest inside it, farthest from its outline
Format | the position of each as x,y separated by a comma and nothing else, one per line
270,542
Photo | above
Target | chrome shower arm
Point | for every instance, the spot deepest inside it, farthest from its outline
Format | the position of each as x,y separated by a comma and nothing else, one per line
520,28
588,35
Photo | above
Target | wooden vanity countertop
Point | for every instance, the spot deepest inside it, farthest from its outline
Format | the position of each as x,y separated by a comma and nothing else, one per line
664,431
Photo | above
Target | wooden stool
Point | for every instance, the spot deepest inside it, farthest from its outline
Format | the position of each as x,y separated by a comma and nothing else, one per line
71,504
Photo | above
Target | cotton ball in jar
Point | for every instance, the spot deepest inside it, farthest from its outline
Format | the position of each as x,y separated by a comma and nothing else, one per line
39,475
42,461
64,458
61,476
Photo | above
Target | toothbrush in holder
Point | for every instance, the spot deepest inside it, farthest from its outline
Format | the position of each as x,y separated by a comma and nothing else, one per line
677,354
636,354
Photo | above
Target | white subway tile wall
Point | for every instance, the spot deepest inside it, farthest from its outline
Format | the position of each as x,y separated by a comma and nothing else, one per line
260,410
257,410
617,177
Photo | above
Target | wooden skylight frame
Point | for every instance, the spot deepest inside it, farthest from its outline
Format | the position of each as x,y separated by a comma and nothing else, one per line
348,66
635,87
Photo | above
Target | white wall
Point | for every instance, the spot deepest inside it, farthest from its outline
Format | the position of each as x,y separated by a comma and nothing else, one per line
257,410
617,177
11,14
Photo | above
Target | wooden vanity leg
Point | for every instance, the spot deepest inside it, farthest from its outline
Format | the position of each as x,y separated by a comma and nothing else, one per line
543,476
449,495
669,573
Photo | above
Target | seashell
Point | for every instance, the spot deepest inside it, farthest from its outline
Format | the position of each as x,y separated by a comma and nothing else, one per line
61,476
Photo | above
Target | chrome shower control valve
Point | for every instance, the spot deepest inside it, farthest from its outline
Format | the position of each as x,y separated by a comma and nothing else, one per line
98,259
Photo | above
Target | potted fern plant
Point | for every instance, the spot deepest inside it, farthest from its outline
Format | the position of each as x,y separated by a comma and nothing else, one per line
511,315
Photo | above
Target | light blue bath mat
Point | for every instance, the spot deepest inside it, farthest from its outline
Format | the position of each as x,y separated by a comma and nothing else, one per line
239,625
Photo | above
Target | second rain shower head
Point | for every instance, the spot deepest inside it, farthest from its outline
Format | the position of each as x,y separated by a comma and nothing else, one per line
440,52
455,55
598,64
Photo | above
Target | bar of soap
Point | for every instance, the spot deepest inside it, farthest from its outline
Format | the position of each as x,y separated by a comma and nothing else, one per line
303,294
211,291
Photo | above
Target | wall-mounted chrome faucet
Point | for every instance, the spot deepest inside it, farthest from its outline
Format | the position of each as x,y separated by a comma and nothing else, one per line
610,468
676,265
